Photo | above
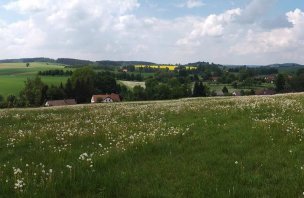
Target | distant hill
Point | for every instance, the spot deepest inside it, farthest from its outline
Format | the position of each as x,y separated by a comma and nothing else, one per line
107,63
27,60
234,66
286,65
289,68
78,62
74,62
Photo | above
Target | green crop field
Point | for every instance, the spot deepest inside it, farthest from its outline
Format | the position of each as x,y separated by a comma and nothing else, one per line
13,76
210,147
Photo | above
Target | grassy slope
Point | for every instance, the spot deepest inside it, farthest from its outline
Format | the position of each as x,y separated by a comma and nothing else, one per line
13,75
218,87
215,147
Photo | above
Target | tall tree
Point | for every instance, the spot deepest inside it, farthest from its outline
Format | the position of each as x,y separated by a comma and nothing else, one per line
139,93
225,90
196,89
202,89
56,93
34,92
83,84
280,83
68,89
199,90
105,83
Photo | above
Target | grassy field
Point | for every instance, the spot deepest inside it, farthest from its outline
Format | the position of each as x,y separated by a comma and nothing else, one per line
132,84
211,147
217,87
13,75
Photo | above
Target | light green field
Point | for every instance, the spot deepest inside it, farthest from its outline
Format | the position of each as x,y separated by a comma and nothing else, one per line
205,147
132,84
218,87
13,76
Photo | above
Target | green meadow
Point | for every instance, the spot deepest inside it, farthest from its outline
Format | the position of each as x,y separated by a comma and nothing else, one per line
204,147
13,76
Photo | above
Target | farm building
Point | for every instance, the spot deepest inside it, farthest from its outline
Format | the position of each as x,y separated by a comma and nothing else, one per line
236,93
105,98
54,103
214,78
265,92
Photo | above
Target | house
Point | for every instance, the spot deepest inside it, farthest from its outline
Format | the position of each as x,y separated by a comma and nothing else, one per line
105,98
270,78
265,92
236,93
54,103
214,78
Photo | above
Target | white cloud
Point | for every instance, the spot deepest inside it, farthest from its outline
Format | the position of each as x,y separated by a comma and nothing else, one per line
25,6
191,4
213,26
20,37
57,25
107,29
277,40
255,10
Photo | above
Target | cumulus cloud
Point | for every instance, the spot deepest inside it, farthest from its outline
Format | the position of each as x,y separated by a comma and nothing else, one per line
277,40
107,29
213,26
71,24
25,6
256,9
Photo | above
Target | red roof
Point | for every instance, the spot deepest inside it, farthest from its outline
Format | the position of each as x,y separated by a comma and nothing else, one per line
52,103
265,92
114,97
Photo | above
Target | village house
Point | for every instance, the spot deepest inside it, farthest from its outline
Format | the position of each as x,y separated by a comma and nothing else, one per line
270,79
107,98
214,78
236,93
265,92
54,103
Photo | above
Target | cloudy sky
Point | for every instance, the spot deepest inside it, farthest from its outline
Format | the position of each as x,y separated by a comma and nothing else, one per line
171,31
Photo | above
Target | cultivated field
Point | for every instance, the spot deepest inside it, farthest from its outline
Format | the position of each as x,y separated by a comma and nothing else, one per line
211,147
13,75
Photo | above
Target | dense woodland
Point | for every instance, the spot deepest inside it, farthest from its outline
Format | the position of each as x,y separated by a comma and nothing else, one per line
160,84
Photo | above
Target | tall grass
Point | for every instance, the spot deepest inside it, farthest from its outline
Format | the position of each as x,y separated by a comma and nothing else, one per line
217,147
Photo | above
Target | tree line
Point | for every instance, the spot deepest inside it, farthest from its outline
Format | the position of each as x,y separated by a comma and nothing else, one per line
55,72
86,82
286,83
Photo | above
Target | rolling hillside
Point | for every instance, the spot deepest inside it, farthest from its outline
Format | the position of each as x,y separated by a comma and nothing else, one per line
13,75
210,147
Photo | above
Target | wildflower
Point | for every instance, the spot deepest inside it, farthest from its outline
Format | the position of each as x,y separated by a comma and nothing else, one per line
19,184
17,171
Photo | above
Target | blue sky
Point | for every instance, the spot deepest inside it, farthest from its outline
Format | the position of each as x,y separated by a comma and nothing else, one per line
175,31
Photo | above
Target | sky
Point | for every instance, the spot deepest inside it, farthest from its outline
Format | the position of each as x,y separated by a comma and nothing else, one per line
243,32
